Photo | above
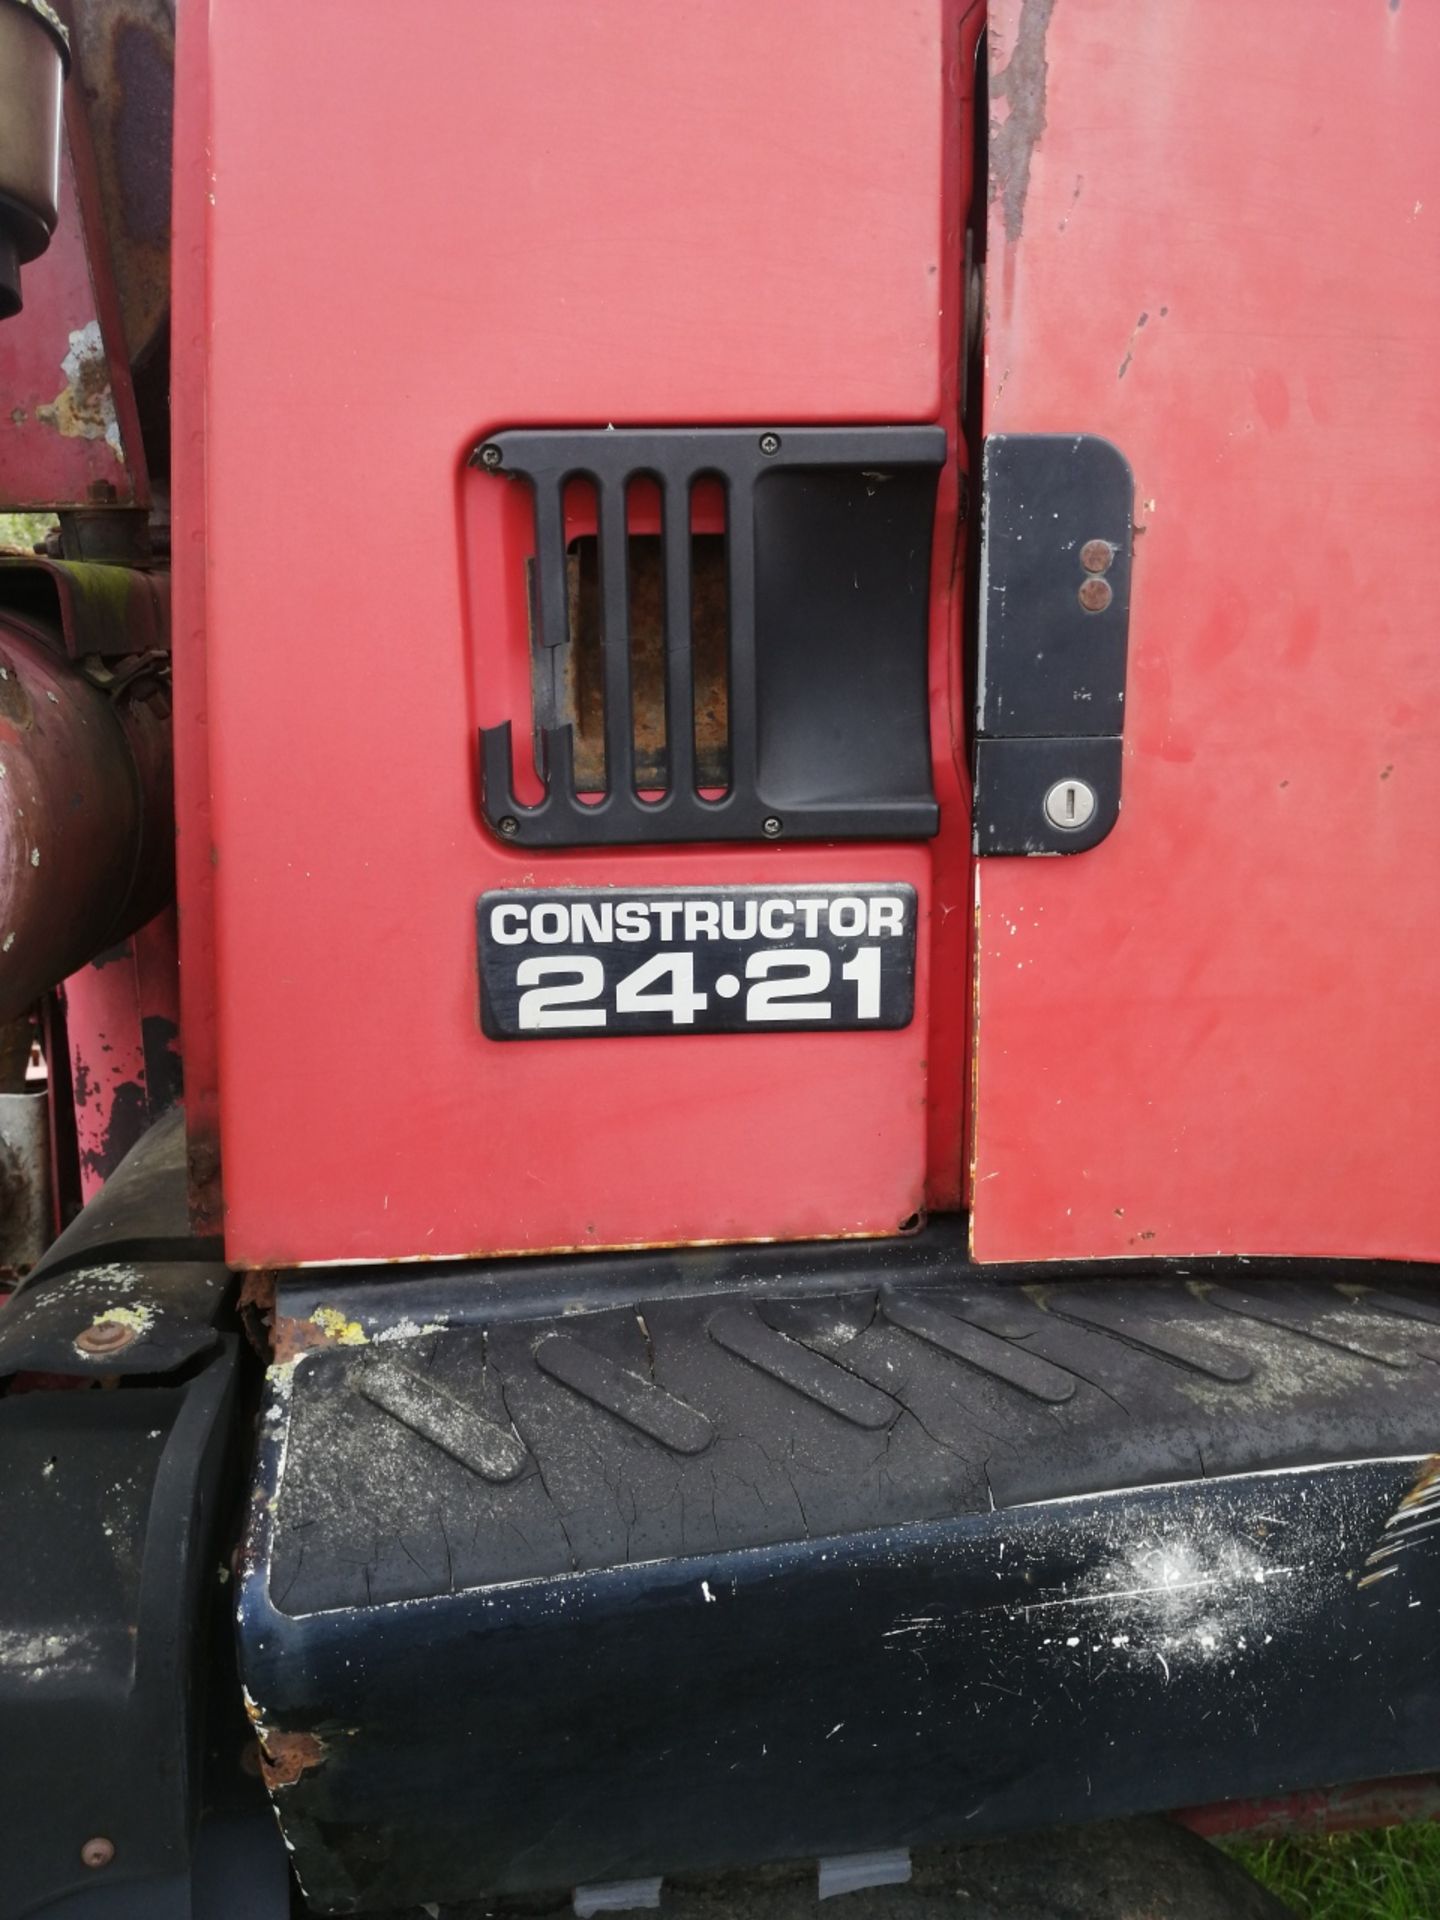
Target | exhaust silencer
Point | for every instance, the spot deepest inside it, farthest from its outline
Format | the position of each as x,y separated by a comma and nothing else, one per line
86,810
34,58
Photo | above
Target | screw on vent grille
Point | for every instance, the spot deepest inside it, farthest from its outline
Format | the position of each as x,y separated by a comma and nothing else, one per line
828,537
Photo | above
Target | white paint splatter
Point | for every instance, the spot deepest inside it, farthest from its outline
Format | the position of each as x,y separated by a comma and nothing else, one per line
37,1657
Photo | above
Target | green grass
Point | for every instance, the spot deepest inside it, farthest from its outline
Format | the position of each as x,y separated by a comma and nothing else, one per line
23,530
1392,1874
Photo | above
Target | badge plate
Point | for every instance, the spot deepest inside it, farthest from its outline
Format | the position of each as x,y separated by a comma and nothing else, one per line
585,963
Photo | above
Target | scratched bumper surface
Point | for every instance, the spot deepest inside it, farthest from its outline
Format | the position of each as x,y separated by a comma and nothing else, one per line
533,1598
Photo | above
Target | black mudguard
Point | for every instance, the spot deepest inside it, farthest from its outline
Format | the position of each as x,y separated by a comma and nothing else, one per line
123,1797
606,1569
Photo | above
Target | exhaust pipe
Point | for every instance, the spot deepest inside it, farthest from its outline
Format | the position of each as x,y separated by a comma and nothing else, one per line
87,837
34,57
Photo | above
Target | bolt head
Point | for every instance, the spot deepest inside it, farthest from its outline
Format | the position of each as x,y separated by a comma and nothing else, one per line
769,443
1070,805
97,1851
491,456
106,1336
772,827
1096,556
1095,594
509,826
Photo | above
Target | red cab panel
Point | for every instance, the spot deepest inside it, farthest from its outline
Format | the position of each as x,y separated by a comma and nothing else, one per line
1212,240
421,231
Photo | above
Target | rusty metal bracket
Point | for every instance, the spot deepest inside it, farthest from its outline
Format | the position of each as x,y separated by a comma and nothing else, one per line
96,609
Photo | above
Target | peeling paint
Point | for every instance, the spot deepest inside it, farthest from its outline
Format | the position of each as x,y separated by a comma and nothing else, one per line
1021,84
290,1339
84,408
1143,321
285,1757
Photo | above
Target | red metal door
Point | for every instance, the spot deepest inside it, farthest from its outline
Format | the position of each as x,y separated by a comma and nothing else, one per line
1212,239
417,232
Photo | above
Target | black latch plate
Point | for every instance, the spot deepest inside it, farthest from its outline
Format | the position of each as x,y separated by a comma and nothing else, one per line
1012,778
1054,630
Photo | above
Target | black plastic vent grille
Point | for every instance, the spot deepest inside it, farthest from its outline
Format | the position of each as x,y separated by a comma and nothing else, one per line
828,538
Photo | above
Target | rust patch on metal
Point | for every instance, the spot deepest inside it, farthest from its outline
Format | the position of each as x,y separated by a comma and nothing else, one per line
16,707
106,1336
84,408
125,52
256,1307
1021,84
290,1338
257,1291
1095,594
206,1196
285,1757
325,1327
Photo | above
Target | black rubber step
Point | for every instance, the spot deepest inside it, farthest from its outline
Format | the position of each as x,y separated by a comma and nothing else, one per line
707,1576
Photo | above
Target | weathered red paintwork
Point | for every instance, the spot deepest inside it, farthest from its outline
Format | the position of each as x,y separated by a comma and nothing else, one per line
194,844
413,255
121,1024
1220,1031
1369,1803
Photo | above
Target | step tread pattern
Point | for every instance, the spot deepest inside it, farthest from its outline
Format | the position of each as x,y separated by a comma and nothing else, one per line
741,1331
1333,1322
1420,1308
1183,1344
987,1352
469,1457
446,1421
642,1405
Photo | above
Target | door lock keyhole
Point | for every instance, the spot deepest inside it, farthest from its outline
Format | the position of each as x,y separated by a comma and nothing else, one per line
1070,805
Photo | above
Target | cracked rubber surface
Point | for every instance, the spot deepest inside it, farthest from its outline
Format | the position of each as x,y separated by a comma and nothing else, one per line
687,1427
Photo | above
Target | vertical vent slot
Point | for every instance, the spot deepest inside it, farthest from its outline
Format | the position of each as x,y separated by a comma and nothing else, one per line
708,662
710,635
679,680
